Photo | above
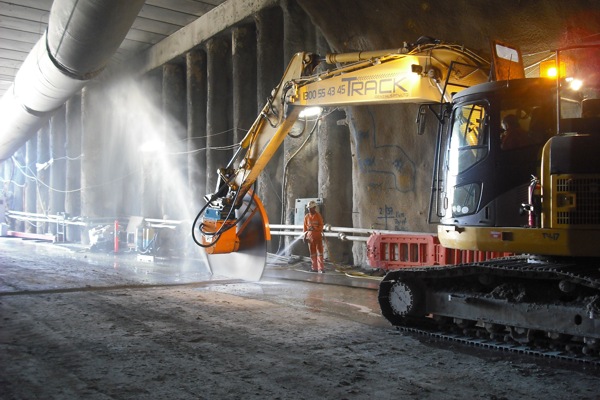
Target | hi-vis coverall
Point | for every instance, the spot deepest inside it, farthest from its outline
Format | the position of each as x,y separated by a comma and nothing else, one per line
313,226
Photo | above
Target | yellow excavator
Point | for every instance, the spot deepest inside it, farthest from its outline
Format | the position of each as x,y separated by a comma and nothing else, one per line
515,172
232,226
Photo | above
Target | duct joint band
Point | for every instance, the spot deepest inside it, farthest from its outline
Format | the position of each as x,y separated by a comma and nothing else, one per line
69,73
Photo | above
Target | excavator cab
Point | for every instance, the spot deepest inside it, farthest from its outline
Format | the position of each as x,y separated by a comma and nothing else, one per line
488,166
518,171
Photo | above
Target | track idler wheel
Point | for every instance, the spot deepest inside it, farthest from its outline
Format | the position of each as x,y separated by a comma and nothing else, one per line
401,300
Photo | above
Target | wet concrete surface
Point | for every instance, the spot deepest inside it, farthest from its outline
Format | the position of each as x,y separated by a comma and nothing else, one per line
85,325
55,266
61,268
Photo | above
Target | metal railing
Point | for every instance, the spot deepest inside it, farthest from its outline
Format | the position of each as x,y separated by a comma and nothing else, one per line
342,233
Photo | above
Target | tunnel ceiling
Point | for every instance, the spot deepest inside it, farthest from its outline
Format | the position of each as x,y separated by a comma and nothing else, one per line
22,23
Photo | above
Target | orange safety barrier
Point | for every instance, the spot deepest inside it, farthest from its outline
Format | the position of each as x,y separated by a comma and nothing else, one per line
395,251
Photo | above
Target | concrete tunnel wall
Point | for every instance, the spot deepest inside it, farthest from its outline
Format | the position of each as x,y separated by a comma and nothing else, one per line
367,163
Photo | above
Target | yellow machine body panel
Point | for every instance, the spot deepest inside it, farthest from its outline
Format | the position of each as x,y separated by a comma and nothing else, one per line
392,81
555,242
394,78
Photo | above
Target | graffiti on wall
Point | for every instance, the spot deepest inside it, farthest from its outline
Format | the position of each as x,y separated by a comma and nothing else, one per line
390,219
388,166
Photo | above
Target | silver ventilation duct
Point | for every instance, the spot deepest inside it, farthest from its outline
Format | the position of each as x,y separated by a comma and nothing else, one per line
81,38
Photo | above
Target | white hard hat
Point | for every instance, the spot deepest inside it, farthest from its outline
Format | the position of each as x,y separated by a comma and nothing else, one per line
311,204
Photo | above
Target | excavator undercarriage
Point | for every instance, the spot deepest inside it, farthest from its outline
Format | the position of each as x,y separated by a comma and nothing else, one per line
541,303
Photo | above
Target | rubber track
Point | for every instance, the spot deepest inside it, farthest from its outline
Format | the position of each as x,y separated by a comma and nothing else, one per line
514,266
501,346
578,273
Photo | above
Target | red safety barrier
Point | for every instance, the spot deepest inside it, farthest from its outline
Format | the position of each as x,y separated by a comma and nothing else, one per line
395,251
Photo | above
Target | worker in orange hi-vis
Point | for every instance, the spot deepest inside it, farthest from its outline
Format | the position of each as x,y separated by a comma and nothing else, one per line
313,235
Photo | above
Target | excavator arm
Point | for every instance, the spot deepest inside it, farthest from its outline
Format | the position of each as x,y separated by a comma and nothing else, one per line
421,73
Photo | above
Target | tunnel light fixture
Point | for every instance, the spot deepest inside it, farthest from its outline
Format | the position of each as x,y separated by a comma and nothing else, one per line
310,112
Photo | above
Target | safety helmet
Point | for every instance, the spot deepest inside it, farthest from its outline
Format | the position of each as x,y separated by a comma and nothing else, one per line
311,204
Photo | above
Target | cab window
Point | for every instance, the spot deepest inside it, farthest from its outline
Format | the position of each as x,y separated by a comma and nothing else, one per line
468,141
525,125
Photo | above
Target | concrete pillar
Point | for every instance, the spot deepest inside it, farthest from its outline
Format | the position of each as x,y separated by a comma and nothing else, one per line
300,154
58,169
298,31
175,196
43,175
270,67
31,182
150,182
269,53
114,166
335,180
335,174
93,176
218,122
196,126
17,186
4,195
73,168
243,49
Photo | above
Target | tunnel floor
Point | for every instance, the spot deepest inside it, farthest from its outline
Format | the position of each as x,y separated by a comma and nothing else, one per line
77,324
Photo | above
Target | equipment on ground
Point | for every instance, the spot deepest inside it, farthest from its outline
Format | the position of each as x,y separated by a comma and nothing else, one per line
536,194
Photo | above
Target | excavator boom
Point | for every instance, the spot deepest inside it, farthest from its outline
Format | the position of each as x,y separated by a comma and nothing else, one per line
422,73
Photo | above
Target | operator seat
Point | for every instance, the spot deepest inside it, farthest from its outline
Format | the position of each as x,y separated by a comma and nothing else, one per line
590,108
539,125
